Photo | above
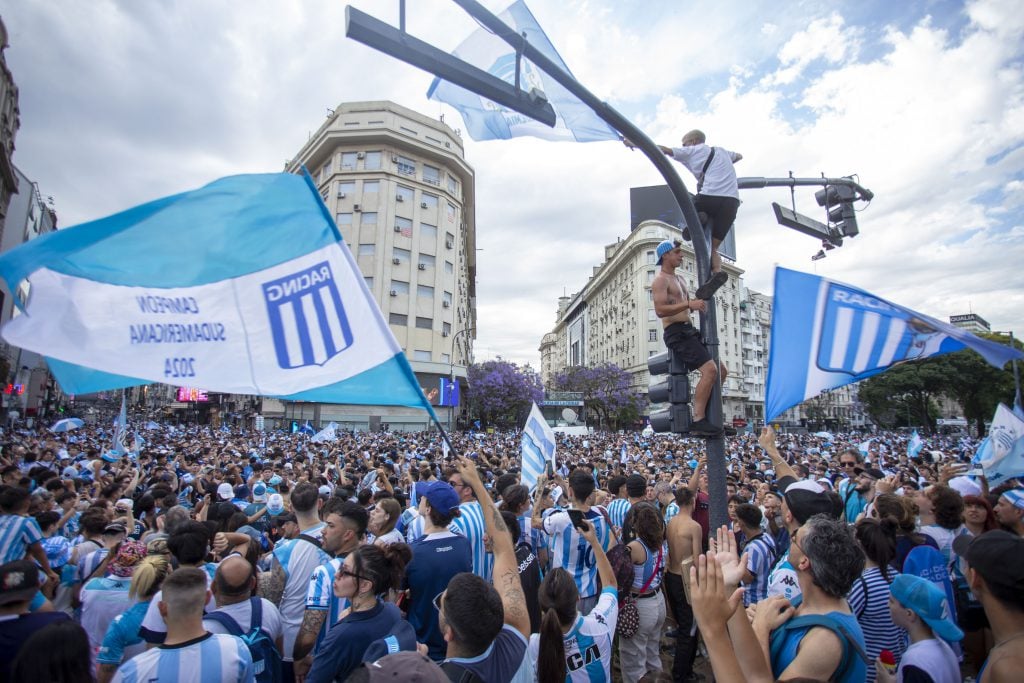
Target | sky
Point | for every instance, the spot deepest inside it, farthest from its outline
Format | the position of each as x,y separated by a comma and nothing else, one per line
124,102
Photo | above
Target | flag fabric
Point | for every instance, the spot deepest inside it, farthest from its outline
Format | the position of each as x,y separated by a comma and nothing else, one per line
307,429
121,429
200,287
328,433
1004,457
827,334
865,448
915,445
624,454
538,447
486,120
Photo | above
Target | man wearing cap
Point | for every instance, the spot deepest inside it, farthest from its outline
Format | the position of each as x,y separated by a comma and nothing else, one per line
995,575
921,608
718,193
672,303
1010,511
19,584
436,557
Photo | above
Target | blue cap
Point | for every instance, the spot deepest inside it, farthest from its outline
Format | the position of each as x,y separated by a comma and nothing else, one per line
928,601
664,248
440,495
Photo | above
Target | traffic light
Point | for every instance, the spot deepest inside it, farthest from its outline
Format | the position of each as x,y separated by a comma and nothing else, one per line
674,390
838,200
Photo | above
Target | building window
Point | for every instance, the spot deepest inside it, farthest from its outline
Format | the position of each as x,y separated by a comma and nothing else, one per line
404,226
368,279
650,276
371,162
432,175
402,255
371,186
367,249
446,358
652,335
421,355
369,218
344,220
399,287
453,185
406,166
651,260
348,161
404,194
428,199
425,292
424,323
446,297
347,188
448,267
449,240
427,261
446,329
398,319
326,170
428,232
451,213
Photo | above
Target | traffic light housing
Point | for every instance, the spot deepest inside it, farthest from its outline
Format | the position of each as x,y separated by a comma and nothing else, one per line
838,201
674,390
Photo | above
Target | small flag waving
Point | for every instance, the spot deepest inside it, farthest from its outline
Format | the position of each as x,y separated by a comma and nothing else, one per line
486,120
200,287
826,334
915,445
328,433
121,429
538,447
1003,458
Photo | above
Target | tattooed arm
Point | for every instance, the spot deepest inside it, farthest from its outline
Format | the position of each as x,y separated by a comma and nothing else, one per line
506,569
312,621
273,589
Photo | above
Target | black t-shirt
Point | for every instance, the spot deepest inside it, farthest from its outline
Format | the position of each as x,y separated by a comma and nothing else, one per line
14,631
529,576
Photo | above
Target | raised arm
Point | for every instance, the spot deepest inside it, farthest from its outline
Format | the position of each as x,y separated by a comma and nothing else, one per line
506,569
604,567
767,441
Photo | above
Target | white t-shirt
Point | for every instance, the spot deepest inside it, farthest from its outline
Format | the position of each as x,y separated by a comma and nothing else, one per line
154,629
935,658
588,645
241,612
720,178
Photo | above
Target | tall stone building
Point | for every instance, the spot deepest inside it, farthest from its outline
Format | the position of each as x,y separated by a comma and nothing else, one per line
402,195
9,124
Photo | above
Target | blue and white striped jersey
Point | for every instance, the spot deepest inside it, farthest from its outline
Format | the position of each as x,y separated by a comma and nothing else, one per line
17,533
414,530
572,552
470,523
211,658
761,555
588,644
617,510
321,597
671,511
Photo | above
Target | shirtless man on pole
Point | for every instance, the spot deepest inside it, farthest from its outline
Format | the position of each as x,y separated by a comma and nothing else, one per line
672,303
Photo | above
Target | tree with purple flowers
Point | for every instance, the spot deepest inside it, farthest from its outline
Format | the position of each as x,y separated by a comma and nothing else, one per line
607,391
500,392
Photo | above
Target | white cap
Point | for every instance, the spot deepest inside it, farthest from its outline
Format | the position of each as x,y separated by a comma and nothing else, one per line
275,504
965,486
225,492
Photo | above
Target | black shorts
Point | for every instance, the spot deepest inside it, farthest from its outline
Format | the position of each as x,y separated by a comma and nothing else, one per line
721,210
684,339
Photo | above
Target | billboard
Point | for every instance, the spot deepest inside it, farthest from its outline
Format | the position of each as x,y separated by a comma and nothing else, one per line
449,394
192,394
655,202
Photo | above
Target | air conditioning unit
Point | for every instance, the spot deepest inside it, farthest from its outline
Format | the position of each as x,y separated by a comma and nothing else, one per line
399,198
341,195
447,244
398,228
357,207
423,205
421,266
394,158
445,334
394,292
359,155
396,261
446,304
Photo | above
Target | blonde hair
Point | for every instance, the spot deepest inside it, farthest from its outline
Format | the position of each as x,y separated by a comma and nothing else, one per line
148,576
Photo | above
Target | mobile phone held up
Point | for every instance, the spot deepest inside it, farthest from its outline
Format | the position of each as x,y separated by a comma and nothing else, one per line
576,517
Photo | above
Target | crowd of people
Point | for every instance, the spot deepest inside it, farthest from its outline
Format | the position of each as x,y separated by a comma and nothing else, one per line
219,555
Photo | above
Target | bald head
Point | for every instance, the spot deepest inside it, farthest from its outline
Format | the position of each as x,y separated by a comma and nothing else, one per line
233,581
694,137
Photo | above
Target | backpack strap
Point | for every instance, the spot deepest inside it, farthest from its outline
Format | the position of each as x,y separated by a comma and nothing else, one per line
700,180
611,528
257,612
227,622
458,673
309,539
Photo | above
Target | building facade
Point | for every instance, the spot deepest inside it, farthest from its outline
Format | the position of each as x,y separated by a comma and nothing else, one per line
402,195
972,322
9,124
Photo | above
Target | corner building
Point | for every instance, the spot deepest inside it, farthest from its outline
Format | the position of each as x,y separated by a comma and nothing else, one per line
402,195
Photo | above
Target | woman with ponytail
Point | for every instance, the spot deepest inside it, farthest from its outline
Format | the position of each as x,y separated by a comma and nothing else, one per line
365,578
869,595
122,641
564,631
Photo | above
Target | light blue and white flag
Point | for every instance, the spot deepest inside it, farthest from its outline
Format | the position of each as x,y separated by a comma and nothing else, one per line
827,334
121,430
865,448
1004,458
486,120
242,286
538,447
328,433
624,454
915,445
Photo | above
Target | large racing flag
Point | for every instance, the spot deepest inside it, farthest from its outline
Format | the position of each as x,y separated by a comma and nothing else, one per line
826,334
486,120
241,286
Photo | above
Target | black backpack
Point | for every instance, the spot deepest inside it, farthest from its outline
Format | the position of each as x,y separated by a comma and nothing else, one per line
266,660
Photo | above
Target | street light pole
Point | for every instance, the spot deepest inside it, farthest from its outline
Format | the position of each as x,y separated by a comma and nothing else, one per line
451,372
